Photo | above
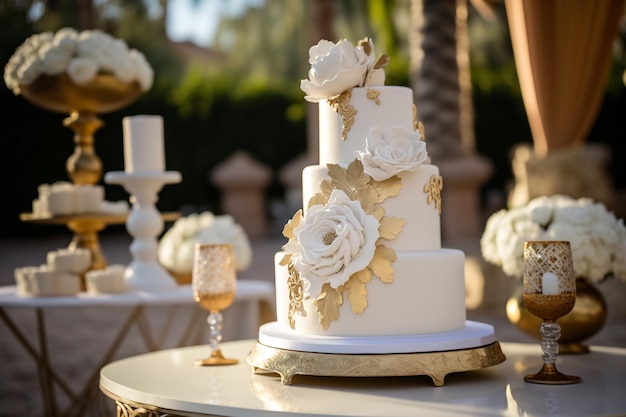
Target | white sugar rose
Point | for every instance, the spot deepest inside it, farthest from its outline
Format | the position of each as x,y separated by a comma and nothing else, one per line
391,151
335,68
333,241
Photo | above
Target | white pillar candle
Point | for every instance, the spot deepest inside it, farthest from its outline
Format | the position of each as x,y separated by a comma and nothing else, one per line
549,284
143,144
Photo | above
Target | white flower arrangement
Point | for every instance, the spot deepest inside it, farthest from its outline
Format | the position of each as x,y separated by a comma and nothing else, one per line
176,247
597,238
336,68
392,151
82,55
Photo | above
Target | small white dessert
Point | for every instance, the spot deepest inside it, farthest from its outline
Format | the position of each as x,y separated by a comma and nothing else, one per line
66,283
75,261
106,281
89,198
114,207
61,199
24,281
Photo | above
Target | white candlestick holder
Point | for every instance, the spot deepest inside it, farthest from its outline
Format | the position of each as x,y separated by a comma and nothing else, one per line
144,224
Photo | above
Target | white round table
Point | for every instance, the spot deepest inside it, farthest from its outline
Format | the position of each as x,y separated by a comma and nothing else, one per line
167,383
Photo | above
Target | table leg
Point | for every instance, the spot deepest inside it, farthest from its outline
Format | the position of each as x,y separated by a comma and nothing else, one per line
46,374
91,386
45,380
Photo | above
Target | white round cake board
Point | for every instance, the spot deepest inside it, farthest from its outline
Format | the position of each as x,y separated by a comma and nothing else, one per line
474,334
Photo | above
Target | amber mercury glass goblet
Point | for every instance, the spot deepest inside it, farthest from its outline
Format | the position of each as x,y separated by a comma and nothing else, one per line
214,282
549,293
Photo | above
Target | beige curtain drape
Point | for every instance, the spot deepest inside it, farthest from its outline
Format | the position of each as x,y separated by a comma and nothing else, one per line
562,51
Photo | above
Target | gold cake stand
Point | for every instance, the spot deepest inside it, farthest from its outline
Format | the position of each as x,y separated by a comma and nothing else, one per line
436,365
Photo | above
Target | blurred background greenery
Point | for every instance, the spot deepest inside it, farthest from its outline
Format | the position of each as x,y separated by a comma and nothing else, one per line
241,92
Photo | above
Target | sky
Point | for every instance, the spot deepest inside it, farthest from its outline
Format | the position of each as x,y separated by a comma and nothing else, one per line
196,21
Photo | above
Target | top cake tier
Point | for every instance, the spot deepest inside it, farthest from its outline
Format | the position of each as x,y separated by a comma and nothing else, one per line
345,122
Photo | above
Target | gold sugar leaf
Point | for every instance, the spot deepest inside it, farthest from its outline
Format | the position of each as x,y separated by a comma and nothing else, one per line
348,180
378,212
389,188
326,188
382,61
292,224
356,293
285,260
381,263
365,44
367,197
327,305
317,199
390,227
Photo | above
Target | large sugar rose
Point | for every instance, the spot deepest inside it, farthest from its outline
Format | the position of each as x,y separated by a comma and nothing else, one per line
336,68
391,151
334,241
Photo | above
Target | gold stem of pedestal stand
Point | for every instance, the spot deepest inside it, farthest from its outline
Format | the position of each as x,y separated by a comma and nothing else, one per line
86,237
84,166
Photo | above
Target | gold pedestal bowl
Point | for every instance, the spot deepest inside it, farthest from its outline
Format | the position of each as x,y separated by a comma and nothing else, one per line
103,94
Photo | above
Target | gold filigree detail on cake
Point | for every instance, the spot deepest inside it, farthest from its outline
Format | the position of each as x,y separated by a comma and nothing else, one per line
433,190
369,193
341,105
420,127
374,95
294,283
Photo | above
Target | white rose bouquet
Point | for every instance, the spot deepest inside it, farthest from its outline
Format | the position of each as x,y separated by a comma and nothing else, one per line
82,55
597,238
336,68
176,247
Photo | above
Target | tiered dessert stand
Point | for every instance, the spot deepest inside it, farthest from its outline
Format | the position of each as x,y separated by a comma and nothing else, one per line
83,103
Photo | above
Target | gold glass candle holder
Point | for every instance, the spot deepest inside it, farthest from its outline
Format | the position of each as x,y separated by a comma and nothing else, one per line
549,293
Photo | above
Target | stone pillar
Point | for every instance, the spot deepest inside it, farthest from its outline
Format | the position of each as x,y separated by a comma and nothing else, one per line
576,172
243,182
461,214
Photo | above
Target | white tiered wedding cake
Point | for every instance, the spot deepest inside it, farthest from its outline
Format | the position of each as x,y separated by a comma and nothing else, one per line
363,270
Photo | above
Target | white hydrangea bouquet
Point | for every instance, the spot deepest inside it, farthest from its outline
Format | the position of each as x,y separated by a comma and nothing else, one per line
597,238
176,247
81,55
